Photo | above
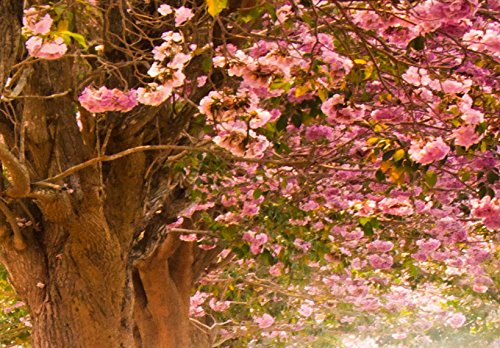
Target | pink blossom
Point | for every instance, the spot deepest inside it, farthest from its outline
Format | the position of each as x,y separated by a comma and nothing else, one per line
155,94
195,308
16,305
456,320
481,284
347,115
256,241
451,86
310,205
396,206
489,210
328,106
38,26
302,245
165,9
305,309
383,261
429,245
420,256
264,321
259,118
399,335
433,150
179,60
319,132
39,48
250,209
472,116
380,246
192,237
477,256
388,115
201,81
256,146
353,235
466,136
277,269
232,141
416,76
218,306
104,99
356,263
182,15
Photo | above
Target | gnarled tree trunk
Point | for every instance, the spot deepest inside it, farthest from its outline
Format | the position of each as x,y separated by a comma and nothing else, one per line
86,250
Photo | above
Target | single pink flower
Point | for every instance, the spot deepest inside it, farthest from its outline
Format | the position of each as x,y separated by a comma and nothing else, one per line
182,15
456,320
165,9
264,321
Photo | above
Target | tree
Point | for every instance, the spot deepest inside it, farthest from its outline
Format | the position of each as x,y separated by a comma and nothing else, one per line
145,144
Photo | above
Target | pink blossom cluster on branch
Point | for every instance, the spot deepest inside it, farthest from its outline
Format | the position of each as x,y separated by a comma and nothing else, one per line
41,44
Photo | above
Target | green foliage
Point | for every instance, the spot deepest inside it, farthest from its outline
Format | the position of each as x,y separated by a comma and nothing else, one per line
13,331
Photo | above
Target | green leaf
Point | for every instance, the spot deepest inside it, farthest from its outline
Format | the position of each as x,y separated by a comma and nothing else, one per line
323,95
491,177
297,120
282,122
280,84
388,154
216,6
206,64
482,191
257,193
430,178
77,37
417,43
367,229
364,220
380,175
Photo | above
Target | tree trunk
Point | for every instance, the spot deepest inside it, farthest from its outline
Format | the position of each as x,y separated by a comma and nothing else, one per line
81,297
70,260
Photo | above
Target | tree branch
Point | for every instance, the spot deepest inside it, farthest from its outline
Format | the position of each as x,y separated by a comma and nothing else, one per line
108,158
18,241
20,179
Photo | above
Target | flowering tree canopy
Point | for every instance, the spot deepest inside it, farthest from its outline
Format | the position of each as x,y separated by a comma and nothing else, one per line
309,172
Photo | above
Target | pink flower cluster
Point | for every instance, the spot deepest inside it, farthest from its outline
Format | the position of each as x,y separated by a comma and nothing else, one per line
233,116
154,94
380,246
256,241
425,153
383,261
104,99
488,209
426,247
45,48
39,44
182,14
487,40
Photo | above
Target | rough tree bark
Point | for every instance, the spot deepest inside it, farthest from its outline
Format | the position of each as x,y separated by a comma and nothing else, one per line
87,252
